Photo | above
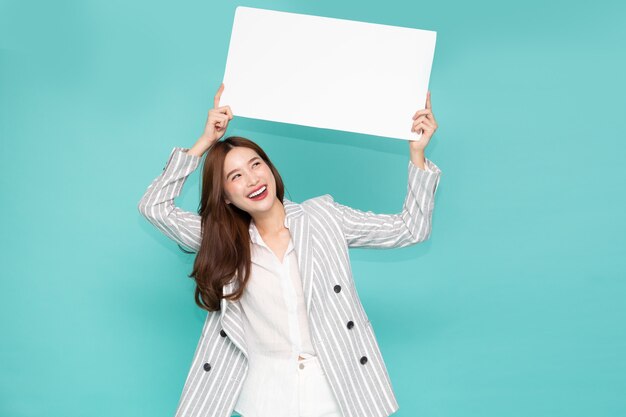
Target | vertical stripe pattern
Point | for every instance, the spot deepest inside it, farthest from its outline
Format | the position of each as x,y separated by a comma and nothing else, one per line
322,231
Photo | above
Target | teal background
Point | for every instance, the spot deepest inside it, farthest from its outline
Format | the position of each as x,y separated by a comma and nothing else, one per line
514,307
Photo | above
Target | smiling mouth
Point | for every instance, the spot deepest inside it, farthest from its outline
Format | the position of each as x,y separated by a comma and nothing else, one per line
258,192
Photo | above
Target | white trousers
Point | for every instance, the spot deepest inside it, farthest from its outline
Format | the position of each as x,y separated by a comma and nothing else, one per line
314,394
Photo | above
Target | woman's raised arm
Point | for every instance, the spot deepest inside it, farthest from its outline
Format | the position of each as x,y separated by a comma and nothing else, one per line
413,224
157,203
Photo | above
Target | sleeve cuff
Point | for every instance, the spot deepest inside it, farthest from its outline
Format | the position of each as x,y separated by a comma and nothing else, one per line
428,177
180,154
430,166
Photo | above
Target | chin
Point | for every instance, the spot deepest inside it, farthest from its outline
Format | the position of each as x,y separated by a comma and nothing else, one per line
258,207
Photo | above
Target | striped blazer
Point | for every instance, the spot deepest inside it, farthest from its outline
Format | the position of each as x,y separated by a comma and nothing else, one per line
322,230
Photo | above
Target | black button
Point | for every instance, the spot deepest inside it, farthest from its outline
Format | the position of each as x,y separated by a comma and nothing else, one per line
350,324
337,288
222,333
207,367
363,360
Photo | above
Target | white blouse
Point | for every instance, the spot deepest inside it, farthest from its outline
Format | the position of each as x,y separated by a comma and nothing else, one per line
276,329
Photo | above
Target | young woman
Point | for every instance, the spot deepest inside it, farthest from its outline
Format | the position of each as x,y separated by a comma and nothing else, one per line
285,333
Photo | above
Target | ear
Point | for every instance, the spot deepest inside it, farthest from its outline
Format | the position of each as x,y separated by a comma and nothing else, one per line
227,201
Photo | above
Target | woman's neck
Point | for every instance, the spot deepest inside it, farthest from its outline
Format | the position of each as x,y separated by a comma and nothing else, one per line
272,221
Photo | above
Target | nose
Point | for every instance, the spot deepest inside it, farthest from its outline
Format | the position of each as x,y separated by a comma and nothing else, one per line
253,179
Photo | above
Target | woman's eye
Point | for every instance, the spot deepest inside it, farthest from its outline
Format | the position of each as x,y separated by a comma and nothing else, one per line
256,163
235,176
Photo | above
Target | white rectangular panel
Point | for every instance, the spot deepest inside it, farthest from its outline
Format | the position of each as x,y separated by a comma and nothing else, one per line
328,73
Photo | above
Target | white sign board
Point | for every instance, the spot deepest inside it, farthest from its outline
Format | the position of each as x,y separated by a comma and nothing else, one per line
327,73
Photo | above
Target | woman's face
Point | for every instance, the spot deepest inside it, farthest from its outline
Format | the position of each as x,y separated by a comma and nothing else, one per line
245,174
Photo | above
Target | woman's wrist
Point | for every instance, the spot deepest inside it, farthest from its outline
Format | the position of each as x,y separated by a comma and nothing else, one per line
201,146
418,158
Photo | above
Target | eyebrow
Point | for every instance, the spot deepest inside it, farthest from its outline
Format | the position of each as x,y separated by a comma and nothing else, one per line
253,158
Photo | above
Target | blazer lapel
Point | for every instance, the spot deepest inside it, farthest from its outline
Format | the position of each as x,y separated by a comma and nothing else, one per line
231,319
299,226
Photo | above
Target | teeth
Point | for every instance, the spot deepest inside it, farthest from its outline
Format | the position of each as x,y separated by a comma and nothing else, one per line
257,192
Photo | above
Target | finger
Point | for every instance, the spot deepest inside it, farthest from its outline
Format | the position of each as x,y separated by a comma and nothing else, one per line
420,112
420,118
431,116
220,118
225,110
216,100
221,124
426,125
417,126
428,106
430,125
217,123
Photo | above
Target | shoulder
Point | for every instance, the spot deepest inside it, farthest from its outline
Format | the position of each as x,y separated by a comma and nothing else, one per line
320,207
322,202
323,211
323,214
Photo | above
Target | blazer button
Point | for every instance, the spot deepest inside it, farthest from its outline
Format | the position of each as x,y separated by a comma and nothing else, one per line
207,366
350,324
363,360
222,333
337,288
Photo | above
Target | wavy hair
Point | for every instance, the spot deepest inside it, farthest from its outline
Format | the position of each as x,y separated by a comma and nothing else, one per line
224,252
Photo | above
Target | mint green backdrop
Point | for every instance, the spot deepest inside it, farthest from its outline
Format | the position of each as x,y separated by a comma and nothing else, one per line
514,307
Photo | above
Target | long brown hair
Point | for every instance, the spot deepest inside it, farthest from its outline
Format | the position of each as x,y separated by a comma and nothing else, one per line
224,252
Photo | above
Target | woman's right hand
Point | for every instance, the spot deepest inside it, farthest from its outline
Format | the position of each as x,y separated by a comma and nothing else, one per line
218,119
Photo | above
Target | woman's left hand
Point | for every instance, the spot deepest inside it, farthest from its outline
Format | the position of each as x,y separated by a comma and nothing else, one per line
423,120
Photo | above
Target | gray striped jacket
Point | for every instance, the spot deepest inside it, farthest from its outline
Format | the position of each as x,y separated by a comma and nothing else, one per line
322,230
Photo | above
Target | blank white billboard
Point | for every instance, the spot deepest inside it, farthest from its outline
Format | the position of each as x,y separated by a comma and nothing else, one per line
328,73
